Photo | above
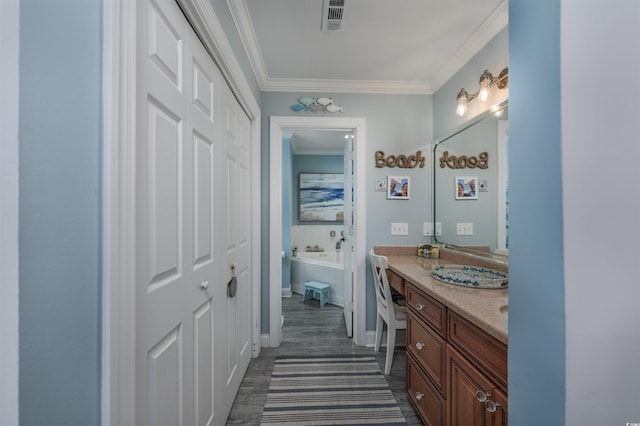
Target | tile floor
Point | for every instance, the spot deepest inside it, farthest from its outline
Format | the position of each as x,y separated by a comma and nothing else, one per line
309,329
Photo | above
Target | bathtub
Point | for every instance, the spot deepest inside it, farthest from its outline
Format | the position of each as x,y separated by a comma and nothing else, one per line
325,267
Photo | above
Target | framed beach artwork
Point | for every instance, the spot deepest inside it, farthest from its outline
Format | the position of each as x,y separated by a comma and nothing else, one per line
466,188
398,187
321,197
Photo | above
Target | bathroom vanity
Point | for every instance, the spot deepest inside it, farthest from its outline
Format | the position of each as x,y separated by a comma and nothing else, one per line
456,342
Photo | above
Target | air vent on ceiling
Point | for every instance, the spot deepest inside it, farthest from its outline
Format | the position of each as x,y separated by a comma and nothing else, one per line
332,15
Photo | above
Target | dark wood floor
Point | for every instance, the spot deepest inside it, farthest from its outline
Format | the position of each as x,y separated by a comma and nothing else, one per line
309,329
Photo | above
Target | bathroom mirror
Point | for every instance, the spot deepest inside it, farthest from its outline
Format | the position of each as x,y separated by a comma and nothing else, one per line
471,186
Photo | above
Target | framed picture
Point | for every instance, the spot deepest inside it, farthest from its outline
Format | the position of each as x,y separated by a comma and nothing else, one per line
321,197
398,187
466,188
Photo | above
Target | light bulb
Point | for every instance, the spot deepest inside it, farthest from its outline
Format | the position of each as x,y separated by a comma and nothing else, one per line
484,94
463,100
485,80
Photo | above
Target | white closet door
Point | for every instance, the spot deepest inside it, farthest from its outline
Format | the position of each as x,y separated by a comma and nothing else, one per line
190,228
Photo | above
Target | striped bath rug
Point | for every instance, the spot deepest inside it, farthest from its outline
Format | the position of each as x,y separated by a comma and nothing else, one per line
330,390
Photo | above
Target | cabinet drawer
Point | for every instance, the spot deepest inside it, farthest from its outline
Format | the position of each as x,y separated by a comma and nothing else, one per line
396,281
429,350
484,350
429,310
430,404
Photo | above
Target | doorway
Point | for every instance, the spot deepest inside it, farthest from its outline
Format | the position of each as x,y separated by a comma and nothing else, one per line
279,126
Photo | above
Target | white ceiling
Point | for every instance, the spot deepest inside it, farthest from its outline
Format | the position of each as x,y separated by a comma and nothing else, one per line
317,142
383,47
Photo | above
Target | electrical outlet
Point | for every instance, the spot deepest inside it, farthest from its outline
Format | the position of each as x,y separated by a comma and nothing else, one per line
438,229
427,229
464,228
399,229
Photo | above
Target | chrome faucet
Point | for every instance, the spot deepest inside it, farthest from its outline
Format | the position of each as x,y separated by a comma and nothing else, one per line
339,243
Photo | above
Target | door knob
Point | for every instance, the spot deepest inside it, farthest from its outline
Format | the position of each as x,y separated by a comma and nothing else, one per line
491,406
482,396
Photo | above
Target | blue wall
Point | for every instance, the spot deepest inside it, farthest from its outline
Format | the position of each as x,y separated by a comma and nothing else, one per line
60,193
536,292
396,124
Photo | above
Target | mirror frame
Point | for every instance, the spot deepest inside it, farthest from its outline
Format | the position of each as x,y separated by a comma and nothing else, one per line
500,258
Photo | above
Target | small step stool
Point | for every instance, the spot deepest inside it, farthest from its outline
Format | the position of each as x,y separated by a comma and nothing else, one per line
313,287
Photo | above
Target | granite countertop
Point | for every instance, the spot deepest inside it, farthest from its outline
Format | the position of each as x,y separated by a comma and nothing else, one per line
480,306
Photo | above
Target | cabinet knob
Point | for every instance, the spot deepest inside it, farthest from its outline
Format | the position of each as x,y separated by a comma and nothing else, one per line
204,284
419,396
482,396
420,306
491,406
420,346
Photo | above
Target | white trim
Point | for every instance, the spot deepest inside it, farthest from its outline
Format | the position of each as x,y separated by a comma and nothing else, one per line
119,86
118,333
503,132
9,210
277,125
242,21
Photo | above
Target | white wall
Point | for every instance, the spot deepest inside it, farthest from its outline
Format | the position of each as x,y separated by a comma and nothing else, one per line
600,152
9,47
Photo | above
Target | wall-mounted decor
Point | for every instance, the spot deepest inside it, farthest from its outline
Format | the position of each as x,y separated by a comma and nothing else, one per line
398,187
309,104
321,197
466,188
401,161
463,161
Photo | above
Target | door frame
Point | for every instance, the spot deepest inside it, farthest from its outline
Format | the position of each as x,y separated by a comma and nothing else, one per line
118,192
9,209
278,125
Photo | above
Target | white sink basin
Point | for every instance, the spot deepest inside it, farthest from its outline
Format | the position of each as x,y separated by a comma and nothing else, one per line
470,276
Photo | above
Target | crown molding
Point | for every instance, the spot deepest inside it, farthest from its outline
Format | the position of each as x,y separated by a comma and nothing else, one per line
244,25
346,86
496,22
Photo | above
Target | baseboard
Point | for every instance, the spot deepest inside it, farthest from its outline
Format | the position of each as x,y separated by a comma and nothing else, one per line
264,340
370,338
286,292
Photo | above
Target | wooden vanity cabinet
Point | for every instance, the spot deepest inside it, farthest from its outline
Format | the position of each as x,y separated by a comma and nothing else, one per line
456,372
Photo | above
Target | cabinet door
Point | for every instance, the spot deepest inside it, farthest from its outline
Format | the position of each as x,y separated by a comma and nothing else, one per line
426,399
473,399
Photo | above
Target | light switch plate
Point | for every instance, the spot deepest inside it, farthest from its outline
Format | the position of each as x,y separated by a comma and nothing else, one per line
438,229
464,228
399,229
427,229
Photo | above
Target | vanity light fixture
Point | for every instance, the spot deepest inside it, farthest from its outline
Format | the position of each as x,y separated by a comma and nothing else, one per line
487,81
